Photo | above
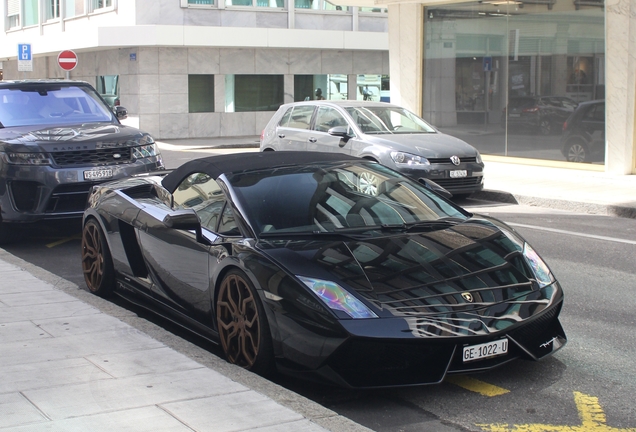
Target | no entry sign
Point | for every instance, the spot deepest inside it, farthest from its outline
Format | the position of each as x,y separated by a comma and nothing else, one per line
67,60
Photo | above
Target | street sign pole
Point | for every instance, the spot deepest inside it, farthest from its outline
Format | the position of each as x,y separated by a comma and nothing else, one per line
25,59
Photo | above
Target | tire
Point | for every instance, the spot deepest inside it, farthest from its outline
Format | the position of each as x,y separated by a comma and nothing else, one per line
97,263
545,127
242,323
577,152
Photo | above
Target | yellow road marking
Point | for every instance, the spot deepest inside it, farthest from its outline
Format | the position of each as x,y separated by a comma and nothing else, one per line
590,412
477,386
64,240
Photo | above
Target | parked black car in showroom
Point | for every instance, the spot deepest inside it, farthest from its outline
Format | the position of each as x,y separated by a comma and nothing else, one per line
285,260
57,139
583,138
539,114
377,131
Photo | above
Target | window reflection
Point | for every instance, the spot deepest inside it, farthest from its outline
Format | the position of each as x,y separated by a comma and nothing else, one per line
505,77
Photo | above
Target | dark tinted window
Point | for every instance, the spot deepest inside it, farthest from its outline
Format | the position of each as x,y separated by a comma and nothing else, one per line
258,92
200,93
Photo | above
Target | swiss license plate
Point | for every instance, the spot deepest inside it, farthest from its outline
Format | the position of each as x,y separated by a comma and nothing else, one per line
485,350
458,173
98,174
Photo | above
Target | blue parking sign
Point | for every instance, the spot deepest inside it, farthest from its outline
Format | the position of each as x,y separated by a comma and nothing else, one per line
24,52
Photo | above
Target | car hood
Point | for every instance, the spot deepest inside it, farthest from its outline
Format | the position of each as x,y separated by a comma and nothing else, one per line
431,145
469,267
73,137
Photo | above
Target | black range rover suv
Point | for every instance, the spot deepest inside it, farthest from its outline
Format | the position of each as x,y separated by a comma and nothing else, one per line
58,139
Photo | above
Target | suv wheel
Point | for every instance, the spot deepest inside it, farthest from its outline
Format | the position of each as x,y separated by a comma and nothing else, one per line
577,152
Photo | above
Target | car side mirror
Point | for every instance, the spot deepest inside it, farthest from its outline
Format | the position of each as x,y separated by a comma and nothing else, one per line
121,113
340,131
431,185
185,219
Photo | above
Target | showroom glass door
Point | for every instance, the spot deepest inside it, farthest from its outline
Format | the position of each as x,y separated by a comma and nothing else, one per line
506,75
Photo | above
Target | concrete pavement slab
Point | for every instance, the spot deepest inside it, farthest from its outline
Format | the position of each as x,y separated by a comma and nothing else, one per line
16,410
147,419
50,373
108,341
128,364
130,392
230,412
44,311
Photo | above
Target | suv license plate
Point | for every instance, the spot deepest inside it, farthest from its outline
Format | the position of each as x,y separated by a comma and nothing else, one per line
485,350
458,173
98,174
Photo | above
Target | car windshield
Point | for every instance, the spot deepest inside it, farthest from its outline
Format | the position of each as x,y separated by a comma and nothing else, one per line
361,197
52,105
388,120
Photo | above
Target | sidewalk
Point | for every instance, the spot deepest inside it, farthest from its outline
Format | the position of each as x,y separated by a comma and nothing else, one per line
74,362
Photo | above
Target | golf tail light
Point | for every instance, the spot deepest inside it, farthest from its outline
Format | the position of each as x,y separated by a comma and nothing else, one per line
337,298
539,267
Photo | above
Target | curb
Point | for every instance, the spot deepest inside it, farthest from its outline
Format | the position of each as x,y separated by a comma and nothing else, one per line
559,204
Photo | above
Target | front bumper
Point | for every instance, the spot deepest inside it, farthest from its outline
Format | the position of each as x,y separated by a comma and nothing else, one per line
441,174
31,193
392,352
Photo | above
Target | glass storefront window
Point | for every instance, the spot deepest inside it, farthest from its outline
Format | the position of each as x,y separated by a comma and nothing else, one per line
319,5
375,10
256,3
329,87
253,92
200,93
201,2
373,88
505,76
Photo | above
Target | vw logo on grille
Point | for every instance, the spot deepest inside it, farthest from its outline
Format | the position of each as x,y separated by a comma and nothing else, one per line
117,156
455,160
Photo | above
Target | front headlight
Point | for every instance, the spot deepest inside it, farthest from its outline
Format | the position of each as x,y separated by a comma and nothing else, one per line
144,151
338,298
478,158
540,269
402,158
19,158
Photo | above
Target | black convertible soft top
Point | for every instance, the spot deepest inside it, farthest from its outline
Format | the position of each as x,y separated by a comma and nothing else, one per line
214,166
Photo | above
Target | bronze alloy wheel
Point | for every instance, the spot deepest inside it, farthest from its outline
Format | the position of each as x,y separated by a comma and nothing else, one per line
96,262
243,328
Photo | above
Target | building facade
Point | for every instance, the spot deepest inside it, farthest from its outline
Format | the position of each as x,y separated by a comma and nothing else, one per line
203,68
503,75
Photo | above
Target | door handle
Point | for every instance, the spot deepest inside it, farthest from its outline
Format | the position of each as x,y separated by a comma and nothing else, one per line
312,140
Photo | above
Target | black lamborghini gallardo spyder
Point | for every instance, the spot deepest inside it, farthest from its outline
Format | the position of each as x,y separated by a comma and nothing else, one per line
324,266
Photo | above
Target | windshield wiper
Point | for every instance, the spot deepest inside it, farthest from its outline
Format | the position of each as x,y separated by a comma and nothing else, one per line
341,232
432,224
